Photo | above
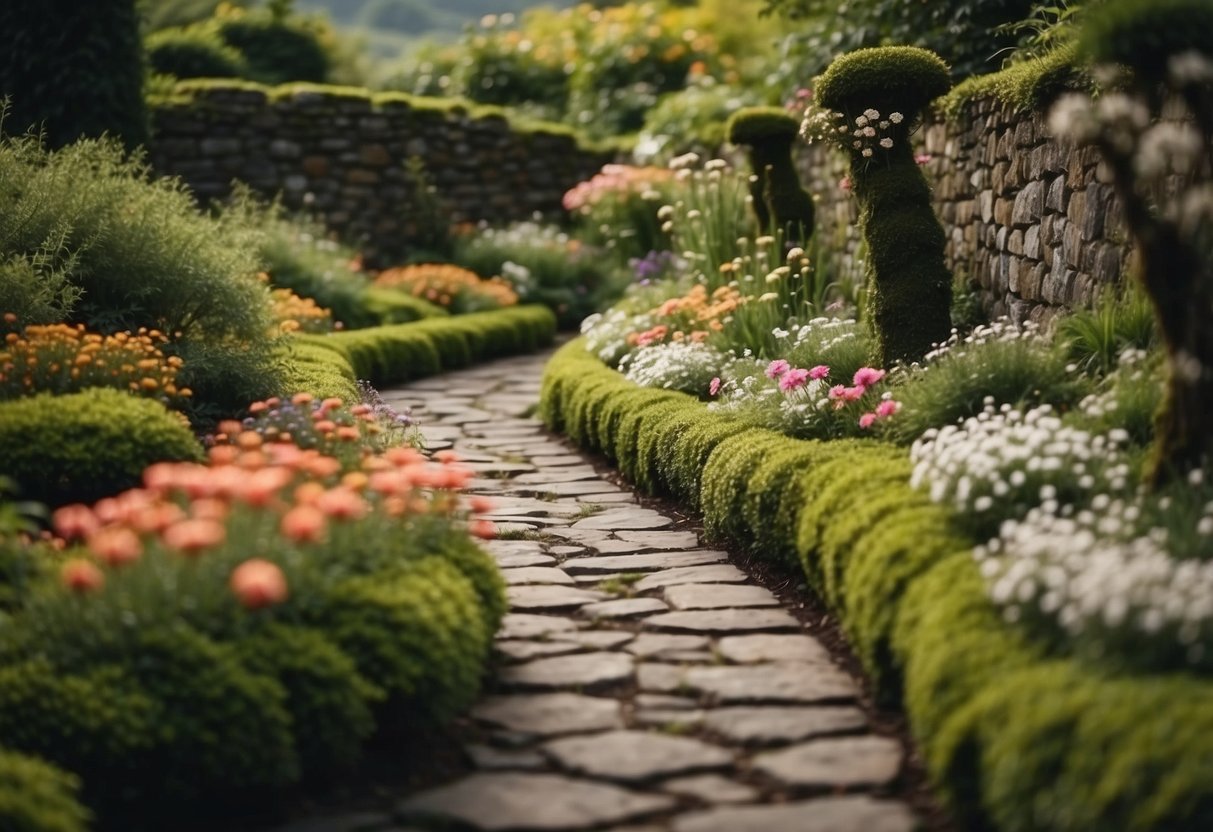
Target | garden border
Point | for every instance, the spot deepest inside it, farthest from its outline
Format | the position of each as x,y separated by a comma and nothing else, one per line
1014,738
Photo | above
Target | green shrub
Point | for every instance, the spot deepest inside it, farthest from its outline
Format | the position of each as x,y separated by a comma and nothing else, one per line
193,53
35,291
385,306
84,446
729,468
310,367
910,286
276,51
779,201
1029,85
74,70
1146,34
1095,338
137,253
37,797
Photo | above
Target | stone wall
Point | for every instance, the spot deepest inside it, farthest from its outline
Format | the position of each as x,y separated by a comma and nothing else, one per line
1029,222
342,157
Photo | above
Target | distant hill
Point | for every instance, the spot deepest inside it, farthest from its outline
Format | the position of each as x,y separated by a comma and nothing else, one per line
415,18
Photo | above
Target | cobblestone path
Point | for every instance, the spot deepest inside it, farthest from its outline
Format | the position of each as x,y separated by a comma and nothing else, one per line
642,682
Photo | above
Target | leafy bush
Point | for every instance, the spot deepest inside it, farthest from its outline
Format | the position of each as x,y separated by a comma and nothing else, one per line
276,51
37,797
140,255
74,70
87,445
194,53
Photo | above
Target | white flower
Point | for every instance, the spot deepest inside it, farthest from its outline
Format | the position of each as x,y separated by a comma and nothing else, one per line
896,118
866,152
886,143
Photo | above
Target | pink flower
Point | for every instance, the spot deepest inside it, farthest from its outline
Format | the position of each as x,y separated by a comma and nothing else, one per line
866,420
844,184
887,408
714,387
867,376
819,372
853,394
922,158
836,391
777,368
793,380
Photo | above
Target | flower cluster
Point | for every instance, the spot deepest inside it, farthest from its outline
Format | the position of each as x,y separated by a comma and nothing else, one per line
686,366
293,313
1129,578
61,358
616,181
456,288
868,132
1002,463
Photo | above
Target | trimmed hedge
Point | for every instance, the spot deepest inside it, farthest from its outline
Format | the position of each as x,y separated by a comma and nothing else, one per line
1015,739
401,352
88,445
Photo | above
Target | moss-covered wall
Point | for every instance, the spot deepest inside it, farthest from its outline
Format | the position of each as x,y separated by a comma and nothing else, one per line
341,154
1027,217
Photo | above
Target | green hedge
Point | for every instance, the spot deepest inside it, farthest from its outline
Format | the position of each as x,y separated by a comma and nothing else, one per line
88,445
37,797
1015,738
401,352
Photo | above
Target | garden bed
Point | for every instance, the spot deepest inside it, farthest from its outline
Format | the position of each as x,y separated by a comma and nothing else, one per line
1016,737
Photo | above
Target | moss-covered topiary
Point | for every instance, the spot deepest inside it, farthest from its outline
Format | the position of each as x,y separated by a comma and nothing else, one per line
778,199
911,287
87,445
37,797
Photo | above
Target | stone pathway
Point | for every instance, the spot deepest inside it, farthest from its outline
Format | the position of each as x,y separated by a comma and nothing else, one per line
642,682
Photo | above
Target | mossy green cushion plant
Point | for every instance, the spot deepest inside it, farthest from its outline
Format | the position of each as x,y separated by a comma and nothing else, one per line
779,201
81,447
911,287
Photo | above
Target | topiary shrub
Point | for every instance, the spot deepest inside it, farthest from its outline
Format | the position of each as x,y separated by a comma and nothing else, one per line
73,70
779,201
37,797
885,90
81,447
194,52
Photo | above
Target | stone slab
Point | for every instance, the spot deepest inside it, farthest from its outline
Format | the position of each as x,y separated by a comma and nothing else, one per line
525,625
655,677
622,608
625,519
550,714
835,762
718,596
548,597
650,645
636,756
521,650
776,725
523,561
662,541
536,575
585,671
488,758
772,648
787,682
723,621
724,573
643,563
711,788
825,814
509,801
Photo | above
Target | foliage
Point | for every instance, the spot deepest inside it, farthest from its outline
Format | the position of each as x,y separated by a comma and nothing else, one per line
87,445
1029,84
692,120
73,70
1095,338
451,287
37,797
617,209
194,53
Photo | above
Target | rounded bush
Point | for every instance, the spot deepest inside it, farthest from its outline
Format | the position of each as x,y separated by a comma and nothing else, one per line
37,797
902,79
193,53
84,446
276,53
752,125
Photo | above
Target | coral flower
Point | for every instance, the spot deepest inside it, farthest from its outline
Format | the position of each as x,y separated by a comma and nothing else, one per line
157,517
819,372
866,420
261,487
258,583
221,455
308,493
777,368
342,504
81,576
192,536
481,505
484,529
303,524
446,457
348,433
867,376
75,521
116,545
793,380
403,456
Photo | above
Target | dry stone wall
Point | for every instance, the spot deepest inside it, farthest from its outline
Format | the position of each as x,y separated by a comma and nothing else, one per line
1029,221
342,156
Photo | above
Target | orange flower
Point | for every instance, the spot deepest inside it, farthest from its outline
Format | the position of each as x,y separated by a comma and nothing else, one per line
342,504
192,536
75,521
446,457
116,545
156,517
480,505
261,487
308,493
483,529
348,433
303,524
258,583
81,576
